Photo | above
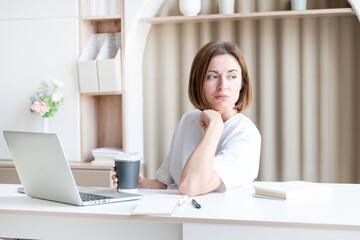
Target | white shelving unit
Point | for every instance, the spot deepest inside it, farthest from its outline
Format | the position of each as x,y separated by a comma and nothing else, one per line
115,119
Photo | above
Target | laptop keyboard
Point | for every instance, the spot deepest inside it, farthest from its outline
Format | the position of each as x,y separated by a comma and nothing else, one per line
86,197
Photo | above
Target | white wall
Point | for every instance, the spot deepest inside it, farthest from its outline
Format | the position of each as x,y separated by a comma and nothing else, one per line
39,41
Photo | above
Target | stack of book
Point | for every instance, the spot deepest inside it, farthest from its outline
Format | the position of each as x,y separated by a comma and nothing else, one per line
290,189
105,156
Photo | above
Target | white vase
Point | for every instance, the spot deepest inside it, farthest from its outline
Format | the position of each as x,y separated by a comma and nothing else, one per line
92,7
190,7
45,125
226,6
298,5
101,7
113,7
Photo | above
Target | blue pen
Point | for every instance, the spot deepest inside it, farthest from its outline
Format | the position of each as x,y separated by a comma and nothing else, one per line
195,203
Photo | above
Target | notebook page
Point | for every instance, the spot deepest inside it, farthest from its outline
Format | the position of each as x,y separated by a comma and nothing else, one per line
158,204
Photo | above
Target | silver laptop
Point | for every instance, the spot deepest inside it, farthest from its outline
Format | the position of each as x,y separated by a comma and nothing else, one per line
44,171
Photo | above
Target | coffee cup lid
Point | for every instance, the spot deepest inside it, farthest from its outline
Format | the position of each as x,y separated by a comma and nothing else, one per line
128,156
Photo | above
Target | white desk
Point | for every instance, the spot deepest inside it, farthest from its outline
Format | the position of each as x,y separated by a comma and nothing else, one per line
232,215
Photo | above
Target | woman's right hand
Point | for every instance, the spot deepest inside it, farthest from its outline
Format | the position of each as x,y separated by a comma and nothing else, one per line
210,117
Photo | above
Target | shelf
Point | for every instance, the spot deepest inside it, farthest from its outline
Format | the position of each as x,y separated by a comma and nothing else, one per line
102,18
102,93
74,165
331,12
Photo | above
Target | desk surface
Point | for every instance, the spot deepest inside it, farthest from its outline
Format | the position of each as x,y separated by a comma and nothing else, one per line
341,209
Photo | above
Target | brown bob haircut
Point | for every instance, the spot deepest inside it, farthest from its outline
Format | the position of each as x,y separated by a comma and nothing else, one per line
199,70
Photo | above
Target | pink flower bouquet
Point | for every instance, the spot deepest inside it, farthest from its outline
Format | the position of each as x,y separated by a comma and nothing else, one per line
47,99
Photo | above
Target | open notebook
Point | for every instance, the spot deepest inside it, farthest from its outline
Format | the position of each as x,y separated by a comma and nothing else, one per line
159,204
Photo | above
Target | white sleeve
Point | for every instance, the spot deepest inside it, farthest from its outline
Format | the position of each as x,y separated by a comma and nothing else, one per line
163,173
237,163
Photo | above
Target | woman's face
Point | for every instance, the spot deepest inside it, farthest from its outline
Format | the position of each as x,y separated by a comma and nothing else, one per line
222,84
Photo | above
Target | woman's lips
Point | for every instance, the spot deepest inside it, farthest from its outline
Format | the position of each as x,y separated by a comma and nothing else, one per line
221,96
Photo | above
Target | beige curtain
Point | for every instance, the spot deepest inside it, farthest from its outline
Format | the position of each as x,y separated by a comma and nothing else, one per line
305,74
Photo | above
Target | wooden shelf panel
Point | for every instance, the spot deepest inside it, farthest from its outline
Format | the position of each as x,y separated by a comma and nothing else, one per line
101,93
101,123
331,12
102,18
8,163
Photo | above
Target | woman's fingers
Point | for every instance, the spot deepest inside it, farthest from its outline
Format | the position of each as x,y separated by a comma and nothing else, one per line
141,177
114,178
210,117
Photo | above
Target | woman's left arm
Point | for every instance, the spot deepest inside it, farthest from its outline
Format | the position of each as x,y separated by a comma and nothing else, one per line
198,176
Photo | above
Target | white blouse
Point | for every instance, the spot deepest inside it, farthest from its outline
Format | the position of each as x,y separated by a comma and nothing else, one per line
236,159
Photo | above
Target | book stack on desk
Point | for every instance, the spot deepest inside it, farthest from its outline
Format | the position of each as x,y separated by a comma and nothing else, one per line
290,189
105,156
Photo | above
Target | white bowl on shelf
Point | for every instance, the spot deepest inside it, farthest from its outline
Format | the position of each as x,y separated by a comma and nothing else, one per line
190,7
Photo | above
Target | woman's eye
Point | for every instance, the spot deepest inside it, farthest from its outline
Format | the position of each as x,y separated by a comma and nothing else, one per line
232,77
212,77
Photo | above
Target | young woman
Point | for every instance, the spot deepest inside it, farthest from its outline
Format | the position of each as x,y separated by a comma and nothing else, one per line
214,147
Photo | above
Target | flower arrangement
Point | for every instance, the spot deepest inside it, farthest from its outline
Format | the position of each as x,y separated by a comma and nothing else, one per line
48,98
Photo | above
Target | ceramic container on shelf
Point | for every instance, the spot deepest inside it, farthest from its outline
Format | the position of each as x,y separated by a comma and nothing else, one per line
113,7
226,6
190,7
298,5
101,7
92,7
45,124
